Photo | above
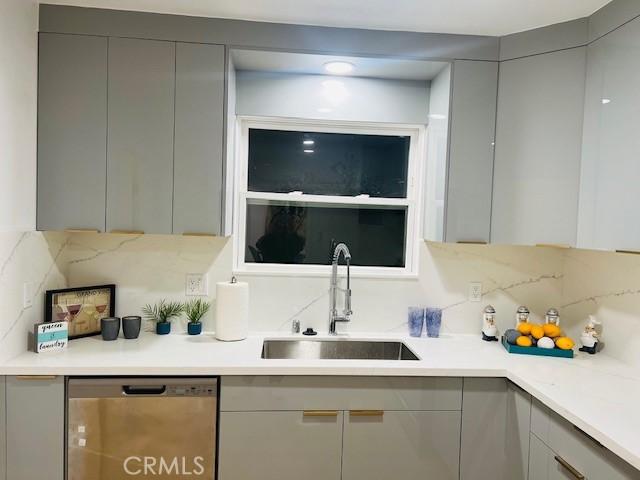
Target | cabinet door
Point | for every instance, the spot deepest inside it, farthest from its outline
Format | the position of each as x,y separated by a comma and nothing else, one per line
473,113
35,426
72,129
538,149
610,169
140,135
418,445
3,429
288,445
198,175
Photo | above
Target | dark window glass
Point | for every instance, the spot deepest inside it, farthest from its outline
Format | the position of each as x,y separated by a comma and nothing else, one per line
306,234
333,164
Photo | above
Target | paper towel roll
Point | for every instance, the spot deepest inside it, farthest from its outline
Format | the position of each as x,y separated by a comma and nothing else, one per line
232,310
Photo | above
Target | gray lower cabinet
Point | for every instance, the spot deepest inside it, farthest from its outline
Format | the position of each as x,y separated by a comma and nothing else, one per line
140,135
495,430
415,445
35,427
559,450
72,132
199,130
286,445
3,429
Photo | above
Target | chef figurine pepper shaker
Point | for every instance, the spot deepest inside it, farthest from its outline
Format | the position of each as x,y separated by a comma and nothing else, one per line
590,337
522,315
489,330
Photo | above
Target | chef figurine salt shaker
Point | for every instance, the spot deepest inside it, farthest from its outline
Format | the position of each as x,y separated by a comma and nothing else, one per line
589,337
522,315
553,317
489,330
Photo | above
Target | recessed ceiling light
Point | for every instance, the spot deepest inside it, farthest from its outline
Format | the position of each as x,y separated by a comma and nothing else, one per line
338,68
606,100
308,150
308,142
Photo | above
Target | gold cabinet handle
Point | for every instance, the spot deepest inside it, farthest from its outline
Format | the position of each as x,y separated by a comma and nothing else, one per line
630,252
366,413
569,468
81,230
471,242
198,234
128,232
320,413
36,377
554,245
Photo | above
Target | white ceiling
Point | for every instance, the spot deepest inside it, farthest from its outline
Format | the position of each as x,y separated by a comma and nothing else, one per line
481,17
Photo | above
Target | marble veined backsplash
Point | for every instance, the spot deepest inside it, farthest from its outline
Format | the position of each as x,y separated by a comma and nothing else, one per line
149,267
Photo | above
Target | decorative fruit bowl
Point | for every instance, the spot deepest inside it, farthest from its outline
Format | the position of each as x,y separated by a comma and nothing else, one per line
547,352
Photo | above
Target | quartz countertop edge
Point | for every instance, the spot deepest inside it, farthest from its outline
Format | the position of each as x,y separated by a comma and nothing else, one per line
597,393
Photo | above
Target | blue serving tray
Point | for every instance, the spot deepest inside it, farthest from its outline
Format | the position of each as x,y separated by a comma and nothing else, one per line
545,352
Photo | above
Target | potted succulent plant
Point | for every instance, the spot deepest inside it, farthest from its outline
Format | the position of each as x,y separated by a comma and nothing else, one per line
195,310
162,313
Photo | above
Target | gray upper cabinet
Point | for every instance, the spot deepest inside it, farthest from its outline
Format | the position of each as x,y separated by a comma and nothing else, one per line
35,427
72,126
3,429
199,130
473,112
538,149
609,192
140,135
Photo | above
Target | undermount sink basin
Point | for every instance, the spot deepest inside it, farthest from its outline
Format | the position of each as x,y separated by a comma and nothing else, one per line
336,350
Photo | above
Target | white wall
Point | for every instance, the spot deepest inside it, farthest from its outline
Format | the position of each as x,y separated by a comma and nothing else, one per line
18,107
26,257
332,98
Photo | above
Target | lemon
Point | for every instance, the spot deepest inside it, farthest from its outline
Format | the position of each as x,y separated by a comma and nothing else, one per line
537,331
524,341
524,328
551,330
564,343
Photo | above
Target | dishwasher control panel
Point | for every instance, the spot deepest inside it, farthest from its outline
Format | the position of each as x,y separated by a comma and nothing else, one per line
191,390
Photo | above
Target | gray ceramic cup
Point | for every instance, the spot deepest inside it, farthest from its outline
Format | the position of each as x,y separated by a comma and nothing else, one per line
131,326
110,328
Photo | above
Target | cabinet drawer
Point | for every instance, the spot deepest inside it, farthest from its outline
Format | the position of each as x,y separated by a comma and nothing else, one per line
340,393
581,451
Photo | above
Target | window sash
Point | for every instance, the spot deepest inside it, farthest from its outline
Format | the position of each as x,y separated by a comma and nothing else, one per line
412,202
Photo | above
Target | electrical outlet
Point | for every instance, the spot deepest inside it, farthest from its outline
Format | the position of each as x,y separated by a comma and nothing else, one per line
27,295
475,292
196,285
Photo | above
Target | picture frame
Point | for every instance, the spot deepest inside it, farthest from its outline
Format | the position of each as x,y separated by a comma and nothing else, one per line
81,307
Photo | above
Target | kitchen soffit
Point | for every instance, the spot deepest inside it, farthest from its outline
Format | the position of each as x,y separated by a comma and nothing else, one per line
473,17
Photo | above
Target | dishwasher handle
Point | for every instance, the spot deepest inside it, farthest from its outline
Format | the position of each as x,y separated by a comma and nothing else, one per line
144,389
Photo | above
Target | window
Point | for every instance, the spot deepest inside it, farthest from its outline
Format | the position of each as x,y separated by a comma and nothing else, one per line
303,187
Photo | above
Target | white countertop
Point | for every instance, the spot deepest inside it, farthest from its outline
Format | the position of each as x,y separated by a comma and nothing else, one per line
596,393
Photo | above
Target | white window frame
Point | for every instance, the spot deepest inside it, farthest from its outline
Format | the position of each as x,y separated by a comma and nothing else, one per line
413,201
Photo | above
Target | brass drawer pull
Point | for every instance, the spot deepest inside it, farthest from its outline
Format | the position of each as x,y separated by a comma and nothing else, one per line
568,467
82,230
366,413
128,232
471,242
630,252
320,413
554,245
36,377
198,234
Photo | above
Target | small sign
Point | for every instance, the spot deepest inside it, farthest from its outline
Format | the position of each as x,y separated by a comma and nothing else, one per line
51,336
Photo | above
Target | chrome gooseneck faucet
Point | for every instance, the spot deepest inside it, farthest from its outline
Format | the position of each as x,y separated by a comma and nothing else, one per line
341,248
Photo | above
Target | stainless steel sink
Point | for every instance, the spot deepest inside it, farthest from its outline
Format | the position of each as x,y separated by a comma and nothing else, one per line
336,350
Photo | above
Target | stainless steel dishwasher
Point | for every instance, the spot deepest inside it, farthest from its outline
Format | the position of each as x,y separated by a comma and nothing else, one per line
160,428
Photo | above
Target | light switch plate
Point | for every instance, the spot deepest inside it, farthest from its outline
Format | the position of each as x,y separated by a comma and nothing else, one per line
475,291
196,285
